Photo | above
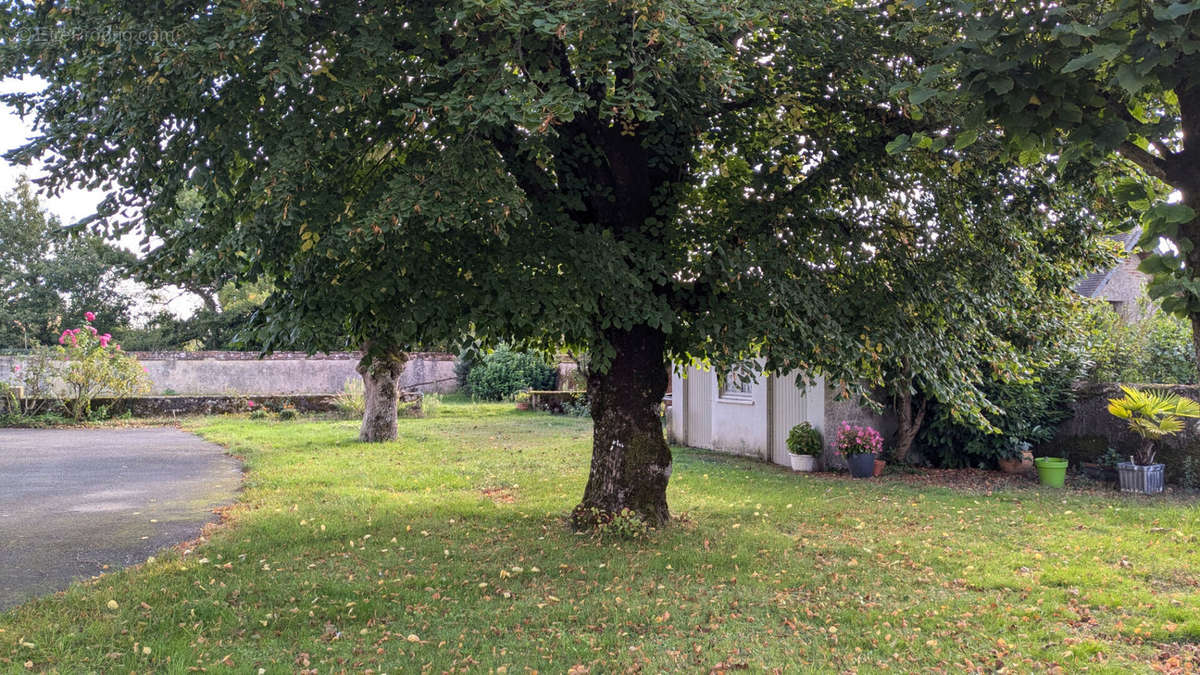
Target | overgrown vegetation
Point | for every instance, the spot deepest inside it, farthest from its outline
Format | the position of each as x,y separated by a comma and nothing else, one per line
1028,414
1156,350
447,550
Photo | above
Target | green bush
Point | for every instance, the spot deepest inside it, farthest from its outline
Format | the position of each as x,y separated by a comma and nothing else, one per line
504,372
1029,414
803,439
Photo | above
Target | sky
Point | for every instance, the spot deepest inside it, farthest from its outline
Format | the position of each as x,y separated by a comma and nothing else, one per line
72,204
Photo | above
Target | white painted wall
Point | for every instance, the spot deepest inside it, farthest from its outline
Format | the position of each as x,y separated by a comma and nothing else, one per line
753,425
739,423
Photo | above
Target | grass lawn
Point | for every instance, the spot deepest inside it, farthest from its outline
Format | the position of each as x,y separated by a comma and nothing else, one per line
447,550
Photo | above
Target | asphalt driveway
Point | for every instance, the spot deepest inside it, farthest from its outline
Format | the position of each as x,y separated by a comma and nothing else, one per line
75,503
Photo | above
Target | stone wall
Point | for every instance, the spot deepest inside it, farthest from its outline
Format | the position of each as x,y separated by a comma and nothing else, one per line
1091,430
284,373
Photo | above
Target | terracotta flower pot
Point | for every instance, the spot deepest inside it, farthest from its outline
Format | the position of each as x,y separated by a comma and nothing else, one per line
1022,464
879,466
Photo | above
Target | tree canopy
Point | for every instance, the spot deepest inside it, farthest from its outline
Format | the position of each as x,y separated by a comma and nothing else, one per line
1112,84
653,182
49,279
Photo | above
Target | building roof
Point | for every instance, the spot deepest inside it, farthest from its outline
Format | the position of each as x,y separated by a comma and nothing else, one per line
1092,284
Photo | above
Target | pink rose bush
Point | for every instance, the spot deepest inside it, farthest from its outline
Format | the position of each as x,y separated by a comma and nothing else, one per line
93,367
855,440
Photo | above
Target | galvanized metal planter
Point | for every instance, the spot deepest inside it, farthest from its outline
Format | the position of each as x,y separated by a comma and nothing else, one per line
1147,480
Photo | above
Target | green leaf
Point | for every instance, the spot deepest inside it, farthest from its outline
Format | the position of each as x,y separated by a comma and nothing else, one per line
966,139
918,94
1029,157
1168,214
1001,85
1129,79
898,144
1175,10
1102,53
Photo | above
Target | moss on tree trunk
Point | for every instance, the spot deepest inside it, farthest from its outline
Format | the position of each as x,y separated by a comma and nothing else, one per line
631,462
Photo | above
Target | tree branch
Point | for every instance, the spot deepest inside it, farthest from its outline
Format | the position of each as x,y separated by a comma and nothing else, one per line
1155,166
529,176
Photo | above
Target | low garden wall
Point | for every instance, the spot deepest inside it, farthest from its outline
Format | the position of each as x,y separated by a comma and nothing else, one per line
1091,430
284,373
167,406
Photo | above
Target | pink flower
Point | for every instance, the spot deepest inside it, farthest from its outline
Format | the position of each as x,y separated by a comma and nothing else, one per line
89,316
117,347
94,331
104,339
249,404
145,369
62,339
16,369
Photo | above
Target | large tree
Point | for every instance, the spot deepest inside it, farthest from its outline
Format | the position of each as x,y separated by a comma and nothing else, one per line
648,181
1113,84
49,278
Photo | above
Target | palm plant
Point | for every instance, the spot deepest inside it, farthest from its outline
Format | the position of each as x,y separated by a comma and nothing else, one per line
1152,415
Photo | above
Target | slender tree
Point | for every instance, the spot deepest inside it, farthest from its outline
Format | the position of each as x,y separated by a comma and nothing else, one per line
650,182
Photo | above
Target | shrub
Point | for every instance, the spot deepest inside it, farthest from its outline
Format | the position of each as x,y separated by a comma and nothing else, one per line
430,404
1155,350
1191,473
1028,413
94,367
803,439
579,406
505,372
351,402
288,413
36,376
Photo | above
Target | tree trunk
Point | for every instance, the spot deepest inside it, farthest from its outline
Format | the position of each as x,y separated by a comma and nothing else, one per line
380,370
1183,171
908,420
631,462
909,424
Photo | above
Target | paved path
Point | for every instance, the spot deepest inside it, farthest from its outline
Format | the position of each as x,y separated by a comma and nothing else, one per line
75,500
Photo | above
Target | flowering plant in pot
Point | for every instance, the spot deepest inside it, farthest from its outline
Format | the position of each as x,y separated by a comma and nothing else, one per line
1152,416
804,446
522,400
859,445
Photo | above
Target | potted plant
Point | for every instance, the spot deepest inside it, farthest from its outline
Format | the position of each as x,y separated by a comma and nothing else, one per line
858,445
1019,459
522,399
1051,471
1151,415
804,446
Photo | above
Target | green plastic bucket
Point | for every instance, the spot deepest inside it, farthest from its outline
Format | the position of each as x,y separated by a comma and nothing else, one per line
1051,471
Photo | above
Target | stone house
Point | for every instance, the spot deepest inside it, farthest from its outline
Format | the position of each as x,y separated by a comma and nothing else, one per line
1123,286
